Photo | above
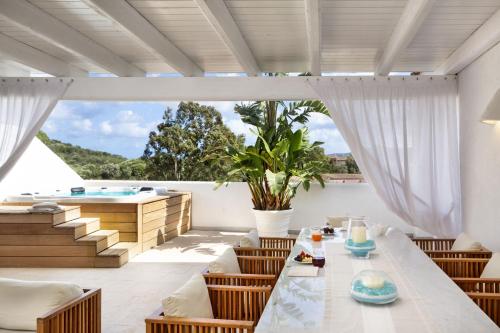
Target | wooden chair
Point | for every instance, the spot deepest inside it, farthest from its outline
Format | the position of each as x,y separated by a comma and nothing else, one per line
462,267
255,271
466,272
441,248
259,252
278,242
269,247
489,303
235,309
82,315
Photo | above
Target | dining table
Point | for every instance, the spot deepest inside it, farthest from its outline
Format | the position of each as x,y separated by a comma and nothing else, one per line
428,300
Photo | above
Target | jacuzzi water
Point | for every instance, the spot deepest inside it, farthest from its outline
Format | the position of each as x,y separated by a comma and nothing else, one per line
103,194
112,193
91,194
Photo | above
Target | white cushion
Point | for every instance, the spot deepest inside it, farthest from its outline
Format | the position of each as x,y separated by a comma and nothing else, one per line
465,243
22,302
336,221
250,240
492,269
190,300
377,230
227,262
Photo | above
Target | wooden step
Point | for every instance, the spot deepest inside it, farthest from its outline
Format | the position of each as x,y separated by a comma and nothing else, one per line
9,215
82,226
117,255
102,239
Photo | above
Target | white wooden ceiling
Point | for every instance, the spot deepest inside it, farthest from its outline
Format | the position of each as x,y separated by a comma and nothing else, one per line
233,36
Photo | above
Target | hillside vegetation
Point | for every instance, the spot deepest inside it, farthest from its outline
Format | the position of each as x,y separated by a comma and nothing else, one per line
93,164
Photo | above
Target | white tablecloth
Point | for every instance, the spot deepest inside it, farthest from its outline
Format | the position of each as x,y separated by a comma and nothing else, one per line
429,301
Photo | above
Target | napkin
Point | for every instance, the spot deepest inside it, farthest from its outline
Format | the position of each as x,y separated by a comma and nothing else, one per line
303,271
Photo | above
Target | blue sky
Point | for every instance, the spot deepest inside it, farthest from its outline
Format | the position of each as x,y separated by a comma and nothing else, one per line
123,127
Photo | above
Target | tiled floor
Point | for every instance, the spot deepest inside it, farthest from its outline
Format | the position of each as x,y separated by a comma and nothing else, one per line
134,291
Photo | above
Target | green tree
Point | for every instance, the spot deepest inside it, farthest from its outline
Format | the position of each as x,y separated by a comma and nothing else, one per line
351,165
133,169
110,171
179,148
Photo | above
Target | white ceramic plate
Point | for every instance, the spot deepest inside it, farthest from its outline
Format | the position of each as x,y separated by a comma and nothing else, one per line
302,263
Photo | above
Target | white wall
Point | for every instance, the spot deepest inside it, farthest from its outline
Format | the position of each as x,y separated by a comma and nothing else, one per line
39,169
231,206
480,150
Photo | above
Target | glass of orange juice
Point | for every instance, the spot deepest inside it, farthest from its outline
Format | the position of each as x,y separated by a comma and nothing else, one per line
316,234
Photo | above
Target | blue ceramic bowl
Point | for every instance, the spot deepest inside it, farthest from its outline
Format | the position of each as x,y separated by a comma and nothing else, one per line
360,249
387,294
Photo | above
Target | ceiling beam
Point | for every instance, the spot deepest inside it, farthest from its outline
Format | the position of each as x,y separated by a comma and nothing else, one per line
221,20
19,52
414,14
210,88
40,23
146,34
313,27
485,37
11,68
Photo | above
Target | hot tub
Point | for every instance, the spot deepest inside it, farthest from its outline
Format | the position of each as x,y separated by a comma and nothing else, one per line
91,195
148,217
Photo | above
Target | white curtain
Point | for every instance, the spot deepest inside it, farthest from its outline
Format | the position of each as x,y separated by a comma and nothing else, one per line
403,134
25,104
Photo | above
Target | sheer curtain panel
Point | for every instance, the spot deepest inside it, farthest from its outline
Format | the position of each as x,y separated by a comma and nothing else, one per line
403,134
25,104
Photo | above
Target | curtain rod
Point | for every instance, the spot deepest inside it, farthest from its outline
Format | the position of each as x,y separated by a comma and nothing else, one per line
382,78
32,79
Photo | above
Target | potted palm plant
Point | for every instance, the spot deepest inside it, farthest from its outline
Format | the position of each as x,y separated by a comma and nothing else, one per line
278,162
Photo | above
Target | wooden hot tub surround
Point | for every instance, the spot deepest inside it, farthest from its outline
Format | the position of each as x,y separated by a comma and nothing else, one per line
88,234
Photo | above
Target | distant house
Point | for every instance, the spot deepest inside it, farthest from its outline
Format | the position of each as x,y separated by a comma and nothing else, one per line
338,159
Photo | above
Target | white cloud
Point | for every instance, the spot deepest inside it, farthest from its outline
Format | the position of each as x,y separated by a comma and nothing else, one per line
333,140
106,128
319,120
128,124
225,108
83,124
49,127
63,112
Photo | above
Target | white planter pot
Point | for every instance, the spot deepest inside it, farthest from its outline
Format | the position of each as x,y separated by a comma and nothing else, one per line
273,223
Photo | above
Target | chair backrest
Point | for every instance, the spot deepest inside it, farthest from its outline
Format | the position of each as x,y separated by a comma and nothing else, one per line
261,265
434,244
277,242
238,303
258,251
462,267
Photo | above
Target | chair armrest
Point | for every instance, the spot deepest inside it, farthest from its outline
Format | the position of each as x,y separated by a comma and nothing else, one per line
478,285
238,302
240,279
278,242
258,251
458,254
462,267
479,295
184,324
84,311
261,265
